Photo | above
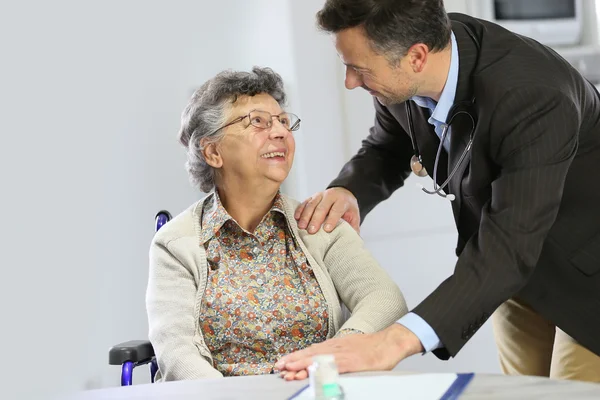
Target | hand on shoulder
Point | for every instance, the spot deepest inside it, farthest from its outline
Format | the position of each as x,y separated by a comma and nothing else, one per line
328,207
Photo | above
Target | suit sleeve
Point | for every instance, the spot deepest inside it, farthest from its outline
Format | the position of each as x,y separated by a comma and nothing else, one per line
381,164
534,140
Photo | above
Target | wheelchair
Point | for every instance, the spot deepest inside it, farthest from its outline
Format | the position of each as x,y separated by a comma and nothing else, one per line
134,353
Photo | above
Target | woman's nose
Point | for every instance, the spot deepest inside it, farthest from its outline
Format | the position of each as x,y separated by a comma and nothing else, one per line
278,130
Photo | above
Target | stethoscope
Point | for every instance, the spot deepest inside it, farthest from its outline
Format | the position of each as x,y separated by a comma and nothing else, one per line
416,161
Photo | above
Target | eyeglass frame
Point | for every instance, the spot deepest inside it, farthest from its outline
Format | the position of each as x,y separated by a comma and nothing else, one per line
292,128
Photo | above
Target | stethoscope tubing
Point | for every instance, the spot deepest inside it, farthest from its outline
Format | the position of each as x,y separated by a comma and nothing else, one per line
439,190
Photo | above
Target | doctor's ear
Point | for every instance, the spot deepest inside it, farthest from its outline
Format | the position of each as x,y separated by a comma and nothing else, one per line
417,56
210,152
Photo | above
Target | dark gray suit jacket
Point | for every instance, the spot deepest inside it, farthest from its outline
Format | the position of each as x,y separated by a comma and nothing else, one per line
527,202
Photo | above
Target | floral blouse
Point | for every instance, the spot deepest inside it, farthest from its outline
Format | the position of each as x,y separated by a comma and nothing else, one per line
262,299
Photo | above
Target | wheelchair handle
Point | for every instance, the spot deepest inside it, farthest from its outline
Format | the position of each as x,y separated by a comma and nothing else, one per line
161,218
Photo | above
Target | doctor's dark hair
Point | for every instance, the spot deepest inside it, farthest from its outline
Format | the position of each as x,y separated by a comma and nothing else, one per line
392,26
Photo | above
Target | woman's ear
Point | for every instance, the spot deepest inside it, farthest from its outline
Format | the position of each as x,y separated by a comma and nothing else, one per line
211,153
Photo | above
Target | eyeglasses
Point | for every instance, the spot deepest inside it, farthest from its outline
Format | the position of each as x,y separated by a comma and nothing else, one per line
264,120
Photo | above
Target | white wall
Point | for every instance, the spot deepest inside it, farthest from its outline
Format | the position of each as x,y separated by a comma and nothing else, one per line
460,6
90,99
320,152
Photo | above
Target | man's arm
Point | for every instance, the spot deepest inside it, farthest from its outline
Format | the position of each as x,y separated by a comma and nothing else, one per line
535,133
422,330
380,166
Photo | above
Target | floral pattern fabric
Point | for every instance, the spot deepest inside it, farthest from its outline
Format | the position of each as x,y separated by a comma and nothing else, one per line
262,299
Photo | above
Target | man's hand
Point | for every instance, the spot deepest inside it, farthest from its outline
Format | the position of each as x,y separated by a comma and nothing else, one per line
380,351
328,206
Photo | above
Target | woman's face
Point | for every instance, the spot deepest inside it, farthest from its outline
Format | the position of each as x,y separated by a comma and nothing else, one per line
251,153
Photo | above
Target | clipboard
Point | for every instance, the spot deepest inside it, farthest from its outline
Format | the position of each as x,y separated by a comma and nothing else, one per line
414,386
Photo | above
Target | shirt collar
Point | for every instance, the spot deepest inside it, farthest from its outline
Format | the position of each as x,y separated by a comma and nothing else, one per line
440,111
214,215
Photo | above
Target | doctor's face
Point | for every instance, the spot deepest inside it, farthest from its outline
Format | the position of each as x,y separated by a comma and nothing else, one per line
371,70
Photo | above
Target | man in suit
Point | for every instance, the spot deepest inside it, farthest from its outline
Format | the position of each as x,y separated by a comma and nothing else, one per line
521,143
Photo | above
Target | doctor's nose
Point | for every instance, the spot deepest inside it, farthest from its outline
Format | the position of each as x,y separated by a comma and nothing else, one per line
353,79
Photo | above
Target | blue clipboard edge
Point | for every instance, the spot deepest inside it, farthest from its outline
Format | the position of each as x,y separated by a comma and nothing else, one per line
453,392
457,387
302,389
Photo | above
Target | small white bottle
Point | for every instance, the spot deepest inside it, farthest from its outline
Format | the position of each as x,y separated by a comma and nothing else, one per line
324,379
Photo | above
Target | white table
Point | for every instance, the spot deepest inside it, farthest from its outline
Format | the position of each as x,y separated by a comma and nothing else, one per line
272,387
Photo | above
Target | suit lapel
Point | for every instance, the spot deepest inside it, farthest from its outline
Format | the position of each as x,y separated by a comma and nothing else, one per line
461,124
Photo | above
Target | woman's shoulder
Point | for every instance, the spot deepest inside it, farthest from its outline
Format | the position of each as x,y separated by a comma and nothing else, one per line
290,202
184,224
321,236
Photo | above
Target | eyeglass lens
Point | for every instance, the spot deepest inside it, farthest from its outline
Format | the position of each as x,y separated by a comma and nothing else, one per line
264,120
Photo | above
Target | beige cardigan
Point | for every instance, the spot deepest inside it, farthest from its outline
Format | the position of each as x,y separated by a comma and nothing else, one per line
344,269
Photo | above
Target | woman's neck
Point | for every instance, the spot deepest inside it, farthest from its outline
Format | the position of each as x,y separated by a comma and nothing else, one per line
247,206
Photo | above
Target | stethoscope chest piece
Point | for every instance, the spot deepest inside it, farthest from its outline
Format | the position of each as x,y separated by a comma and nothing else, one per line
417,167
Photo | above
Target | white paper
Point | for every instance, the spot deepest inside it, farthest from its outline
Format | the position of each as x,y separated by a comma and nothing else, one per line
413,387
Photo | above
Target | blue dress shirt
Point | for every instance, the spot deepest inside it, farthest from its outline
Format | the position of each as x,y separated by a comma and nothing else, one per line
439,111
438,114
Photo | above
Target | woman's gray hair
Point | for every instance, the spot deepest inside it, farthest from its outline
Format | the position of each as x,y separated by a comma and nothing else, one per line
208,108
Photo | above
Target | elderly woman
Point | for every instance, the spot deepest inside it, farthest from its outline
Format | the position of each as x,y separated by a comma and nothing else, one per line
234,284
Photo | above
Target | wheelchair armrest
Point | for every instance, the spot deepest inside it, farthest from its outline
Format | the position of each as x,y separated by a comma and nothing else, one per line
133,350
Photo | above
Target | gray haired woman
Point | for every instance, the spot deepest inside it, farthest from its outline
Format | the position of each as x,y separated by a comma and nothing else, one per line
234,284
